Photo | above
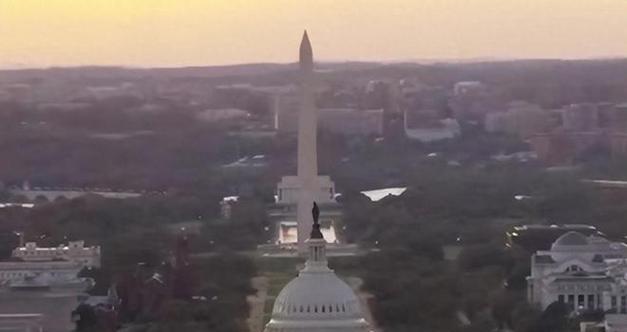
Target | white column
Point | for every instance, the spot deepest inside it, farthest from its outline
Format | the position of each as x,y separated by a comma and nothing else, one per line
307,154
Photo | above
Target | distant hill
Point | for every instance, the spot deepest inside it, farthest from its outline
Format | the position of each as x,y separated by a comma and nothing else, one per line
106,72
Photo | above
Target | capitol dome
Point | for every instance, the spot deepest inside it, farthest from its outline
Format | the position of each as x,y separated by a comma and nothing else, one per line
317,300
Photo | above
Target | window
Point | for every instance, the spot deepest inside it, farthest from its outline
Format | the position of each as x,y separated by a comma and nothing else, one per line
571,301
560,298
613,302
574,268
580,301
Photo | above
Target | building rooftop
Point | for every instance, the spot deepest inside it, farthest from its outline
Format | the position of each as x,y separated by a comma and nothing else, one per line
379,194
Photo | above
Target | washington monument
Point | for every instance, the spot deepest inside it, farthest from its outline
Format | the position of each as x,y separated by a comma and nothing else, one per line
307,154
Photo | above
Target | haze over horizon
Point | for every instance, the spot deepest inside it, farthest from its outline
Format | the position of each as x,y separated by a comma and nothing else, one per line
168,33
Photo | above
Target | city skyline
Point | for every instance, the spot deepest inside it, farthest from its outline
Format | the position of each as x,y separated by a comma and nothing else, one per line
162,33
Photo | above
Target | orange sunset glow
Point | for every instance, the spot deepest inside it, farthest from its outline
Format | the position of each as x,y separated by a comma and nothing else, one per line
214,32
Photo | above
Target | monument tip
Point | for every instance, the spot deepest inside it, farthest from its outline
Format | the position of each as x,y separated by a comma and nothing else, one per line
306,53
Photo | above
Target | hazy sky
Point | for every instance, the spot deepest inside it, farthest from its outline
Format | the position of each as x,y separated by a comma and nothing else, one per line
213,32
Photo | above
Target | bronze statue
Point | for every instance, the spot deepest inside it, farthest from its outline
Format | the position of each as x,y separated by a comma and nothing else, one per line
315,230
315,212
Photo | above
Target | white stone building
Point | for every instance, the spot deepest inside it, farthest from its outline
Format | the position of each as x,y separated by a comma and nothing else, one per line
289,188
443,130
284,212
39,288
74,251
317,300
589,273
16,272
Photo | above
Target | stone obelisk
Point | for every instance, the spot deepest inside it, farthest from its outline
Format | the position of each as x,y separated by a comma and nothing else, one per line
307,154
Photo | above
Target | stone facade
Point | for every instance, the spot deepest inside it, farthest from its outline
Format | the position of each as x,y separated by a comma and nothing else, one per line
588,273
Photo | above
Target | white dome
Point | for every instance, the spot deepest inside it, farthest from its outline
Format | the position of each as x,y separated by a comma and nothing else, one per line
573,244
570,241
319,295
317,300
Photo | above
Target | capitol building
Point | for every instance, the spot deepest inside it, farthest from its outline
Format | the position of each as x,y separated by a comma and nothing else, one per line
317,300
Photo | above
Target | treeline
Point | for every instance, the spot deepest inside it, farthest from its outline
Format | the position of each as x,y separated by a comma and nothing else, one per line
144,232
416,288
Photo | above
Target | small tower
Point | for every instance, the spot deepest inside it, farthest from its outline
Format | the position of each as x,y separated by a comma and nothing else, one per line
316,243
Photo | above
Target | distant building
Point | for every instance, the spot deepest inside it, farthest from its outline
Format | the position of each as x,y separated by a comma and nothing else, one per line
541,237
255,161
393,109
444,129
585,272
466,88
580,117
36,194
521,119
285,111
51,265
74,251
586,128
41,286
376,195
281,103
289,187
226,206
347,121
263,89
224,114
562,147
471,101
344,121
105,92
54,272
283,213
